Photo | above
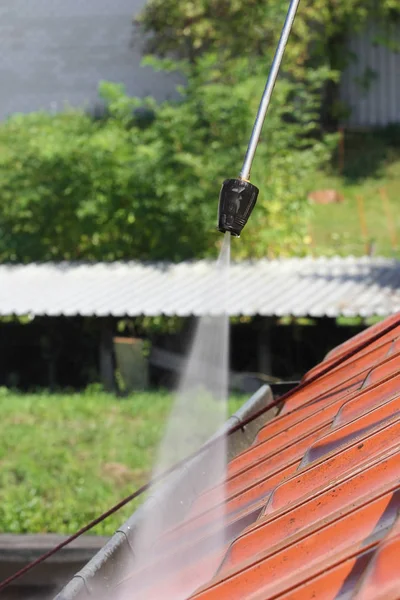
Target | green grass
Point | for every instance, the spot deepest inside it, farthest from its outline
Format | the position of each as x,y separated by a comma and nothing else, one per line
371,164
64,459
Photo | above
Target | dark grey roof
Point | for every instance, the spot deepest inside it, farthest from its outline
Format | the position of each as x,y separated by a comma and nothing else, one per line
297,286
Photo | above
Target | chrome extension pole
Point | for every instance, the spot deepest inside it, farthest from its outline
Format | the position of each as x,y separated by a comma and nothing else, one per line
266,97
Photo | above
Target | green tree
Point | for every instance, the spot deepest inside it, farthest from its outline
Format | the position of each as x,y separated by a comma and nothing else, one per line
74,188
191,28
232,28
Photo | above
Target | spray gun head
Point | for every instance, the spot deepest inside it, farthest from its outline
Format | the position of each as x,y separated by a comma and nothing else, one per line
236,202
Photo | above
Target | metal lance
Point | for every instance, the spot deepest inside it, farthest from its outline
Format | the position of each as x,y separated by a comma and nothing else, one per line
238,196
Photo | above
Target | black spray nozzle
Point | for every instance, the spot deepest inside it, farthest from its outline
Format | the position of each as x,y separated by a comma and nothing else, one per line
236,201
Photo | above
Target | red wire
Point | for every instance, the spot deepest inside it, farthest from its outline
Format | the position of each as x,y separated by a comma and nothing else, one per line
330,366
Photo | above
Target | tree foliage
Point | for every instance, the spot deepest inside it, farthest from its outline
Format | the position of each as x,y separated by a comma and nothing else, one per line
232,28
76,188
71,187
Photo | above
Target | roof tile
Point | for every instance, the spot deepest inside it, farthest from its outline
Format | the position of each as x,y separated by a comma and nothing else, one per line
312,506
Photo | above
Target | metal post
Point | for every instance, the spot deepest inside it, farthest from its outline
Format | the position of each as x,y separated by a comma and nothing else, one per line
266,97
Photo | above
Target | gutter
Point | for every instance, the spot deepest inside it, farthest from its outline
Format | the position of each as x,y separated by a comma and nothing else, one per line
179,490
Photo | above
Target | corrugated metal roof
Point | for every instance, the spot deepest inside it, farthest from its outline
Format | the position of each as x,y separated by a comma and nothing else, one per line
371,83
312,505
298,286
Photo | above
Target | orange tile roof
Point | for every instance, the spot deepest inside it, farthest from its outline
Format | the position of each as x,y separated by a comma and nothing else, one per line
312,506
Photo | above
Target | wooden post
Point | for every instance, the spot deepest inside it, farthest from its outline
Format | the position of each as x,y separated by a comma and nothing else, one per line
363,221
50,357
341,150
310,240
264,354
106,355
389,218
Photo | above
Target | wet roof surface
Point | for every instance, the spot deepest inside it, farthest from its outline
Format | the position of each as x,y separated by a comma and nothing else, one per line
313,504
298,286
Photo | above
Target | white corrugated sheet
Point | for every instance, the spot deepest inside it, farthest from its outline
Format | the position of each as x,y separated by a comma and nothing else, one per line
378,103
299,287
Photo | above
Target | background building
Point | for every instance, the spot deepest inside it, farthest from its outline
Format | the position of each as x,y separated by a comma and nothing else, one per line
54,53
371,83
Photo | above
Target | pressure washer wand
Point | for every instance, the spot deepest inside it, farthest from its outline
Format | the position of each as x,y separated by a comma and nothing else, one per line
238,196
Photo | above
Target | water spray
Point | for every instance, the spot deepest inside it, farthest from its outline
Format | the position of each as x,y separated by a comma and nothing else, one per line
238,196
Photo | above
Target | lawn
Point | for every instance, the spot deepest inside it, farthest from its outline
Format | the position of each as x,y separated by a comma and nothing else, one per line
370,165
64,459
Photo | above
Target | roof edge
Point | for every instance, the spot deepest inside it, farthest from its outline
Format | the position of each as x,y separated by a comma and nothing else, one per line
187,482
